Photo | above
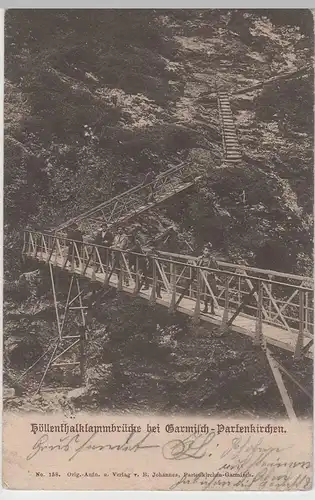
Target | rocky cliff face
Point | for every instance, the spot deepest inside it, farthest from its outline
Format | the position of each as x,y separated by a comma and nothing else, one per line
93,99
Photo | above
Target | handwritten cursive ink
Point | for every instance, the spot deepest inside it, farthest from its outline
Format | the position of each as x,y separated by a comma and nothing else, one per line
191,447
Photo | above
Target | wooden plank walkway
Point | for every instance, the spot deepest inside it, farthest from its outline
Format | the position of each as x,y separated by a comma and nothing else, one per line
243,324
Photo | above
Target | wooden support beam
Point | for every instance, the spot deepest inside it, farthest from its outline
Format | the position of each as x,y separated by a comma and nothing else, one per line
34,364
78,307
243,304
52,249
258,339
190,281
47,367
205,275
109,275
196,318
67,363
80,302
100,260
105,264
295,381
307,346
154,283
137,277
66,350
82,354
67,305
250,286
125,265
280,384
75,298
87,265
120,273
163,276
300,340
55,299
24,243
225,317
173,287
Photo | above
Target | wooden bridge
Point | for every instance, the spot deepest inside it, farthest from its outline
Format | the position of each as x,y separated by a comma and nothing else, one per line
262,304
133,202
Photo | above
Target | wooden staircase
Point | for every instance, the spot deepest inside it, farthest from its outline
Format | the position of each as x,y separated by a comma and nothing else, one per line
232,150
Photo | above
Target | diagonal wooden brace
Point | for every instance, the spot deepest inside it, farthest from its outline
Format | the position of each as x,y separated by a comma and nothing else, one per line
243,304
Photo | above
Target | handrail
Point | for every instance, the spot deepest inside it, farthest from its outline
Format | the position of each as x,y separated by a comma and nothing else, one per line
247,268
187,257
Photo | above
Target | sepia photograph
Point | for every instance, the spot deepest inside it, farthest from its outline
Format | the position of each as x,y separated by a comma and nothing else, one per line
158,222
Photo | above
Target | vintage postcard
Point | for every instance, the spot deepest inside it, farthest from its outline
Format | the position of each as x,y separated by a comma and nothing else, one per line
158,250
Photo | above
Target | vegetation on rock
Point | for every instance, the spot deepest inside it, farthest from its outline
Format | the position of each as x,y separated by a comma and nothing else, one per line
92,98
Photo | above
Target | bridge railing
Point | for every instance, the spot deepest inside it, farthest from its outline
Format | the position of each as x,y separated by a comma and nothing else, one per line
129,202
280,297
270,297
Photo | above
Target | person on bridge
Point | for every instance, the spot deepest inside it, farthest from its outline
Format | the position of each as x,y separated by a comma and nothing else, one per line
120,242
147,270
148,181
75,244
208,260
134,246
99,254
